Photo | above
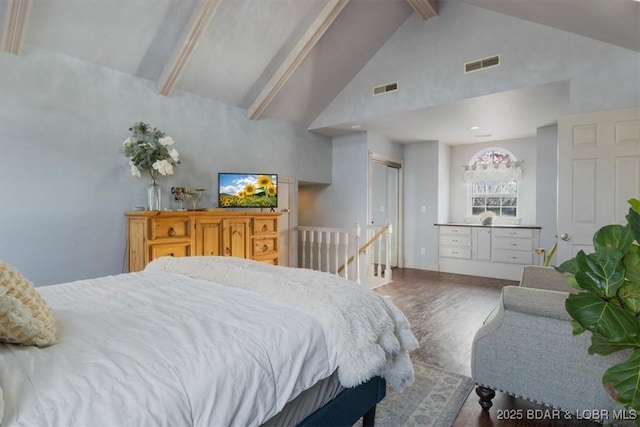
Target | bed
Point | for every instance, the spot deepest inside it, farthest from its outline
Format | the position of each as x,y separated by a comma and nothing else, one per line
208,341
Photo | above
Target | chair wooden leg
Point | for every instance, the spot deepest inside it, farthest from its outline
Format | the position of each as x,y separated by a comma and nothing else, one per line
486,394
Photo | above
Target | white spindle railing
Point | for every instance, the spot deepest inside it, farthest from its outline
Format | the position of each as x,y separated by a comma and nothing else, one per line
332,250
378,253
317,254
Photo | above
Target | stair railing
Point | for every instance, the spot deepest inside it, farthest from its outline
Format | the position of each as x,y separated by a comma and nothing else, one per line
325,248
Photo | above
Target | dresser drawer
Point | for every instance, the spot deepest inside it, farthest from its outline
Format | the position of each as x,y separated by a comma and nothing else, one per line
450,240
515,244
265,225
512,257
455,252
513,232
169,249
162,228
458,231
264,246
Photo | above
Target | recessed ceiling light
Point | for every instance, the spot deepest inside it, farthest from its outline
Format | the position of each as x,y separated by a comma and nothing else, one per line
478,127
355,127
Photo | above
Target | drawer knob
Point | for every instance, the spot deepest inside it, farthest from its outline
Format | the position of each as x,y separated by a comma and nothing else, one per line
171,254
265,248
265,227
171,232
454,240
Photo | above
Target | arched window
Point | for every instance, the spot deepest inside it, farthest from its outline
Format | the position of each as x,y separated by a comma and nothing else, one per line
493,176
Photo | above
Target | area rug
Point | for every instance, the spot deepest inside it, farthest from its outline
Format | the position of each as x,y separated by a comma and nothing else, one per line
434,399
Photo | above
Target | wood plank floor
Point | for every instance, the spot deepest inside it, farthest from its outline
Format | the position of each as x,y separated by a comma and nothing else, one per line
445,311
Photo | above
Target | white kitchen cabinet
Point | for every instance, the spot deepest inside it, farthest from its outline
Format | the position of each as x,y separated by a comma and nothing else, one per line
489,251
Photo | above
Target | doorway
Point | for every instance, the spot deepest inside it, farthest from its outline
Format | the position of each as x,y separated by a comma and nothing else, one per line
385,199
288,222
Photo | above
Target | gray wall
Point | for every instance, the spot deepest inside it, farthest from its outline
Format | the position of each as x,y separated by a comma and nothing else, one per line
64,180
421,183
426,59
344,202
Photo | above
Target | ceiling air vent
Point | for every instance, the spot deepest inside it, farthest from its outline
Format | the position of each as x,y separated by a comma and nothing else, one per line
389,87
480,64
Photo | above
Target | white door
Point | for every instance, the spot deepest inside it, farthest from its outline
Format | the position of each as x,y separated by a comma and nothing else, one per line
598,171
287,223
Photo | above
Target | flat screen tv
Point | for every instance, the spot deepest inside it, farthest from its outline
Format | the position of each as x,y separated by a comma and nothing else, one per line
247,190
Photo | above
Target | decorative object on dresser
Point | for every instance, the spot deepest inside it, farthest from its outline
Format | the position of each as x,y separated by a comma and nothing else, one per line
153,234
498,251
148,150
183,194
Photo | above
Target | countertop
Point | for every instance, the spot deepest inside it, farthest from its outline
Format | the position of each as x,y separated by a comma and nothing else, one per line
469,224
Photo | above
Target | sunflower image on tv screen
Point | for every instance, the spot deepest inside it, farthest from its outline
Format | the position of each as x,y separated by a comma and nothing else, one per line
247,190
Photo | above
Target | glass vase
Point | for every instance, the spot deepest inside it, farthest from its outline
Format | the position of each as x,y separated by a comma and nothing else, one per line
154,197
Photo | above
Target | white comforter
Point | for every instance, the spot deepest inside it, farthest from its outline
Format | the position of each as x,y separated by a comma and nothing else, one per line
139,350
200,341
370,335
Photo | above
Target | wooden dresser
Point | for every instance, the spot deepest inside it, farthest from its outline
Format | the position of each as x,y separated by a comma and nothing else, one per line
154,234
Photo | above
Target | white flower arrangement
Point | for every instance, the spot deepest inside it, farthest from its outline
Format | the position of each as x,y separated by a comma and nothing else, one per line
486,217
148,150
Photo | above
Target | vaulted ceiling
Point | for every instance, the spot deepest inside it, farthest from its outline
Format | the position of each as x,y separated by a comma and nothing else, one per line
284,59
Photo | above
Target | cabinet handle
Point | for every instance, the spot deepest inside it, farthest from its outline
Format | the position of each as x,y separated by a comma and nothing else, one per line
454,252
265,227
514,244
171,232
265,248
454,240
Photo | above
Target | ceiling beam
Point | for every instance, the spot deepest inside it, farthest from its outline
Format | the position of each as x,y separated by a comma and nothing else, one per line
193,31
16,15
304,46
425,8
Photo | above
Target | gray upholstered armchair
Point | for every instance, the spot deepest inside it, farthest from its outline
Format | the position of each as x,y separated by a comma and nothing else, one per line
526,349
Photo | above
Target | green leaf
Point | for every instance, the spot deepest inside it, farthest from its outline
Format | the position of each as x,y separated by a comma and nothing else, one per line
613,236
635,204
633,218
625,379
602,317
632,264
600,345
569,266
602,272
629,294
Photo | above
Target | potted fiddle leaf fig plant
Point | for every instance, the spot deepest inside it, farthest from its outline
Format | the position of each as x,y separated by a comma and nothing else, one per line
608,302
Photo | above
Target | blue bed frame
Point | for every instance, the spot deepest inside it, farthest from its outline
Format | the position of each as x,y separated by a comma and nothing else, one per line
349,406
